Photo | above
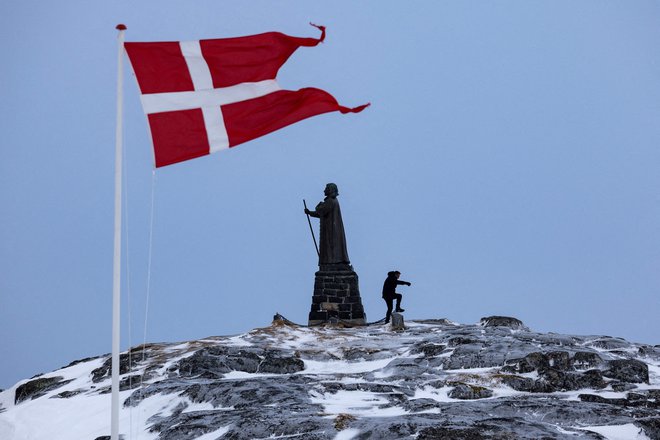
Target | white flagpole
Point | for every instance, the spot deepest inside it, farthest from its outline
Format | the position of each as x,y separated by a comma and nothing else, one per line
116,280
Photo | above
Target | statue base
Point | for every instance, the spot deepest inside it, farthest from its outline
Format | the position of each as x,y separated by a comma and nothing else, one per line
336,296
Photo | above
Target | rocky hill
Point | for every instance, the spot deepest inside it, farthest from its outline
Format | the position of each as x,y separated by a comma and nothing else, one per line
433,380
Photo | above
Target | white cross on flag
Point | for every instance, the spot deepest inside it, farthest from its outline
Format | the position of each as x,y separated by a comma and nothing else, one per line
208,95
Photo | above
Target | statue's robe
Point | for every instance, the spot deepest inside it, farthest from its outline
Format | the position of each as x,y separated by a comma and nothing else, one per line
333,239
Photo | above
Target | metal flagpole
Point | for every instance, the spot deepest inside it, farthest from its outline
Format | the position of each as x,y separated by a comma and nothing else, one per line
116,280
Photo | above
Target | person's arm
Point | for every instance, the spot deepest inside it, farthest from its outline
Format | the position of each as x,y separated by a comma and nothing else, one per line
403,283
318,212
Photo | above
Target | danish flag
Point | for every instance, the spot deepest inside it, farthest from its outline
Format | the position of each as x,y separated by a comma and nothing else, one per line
204,96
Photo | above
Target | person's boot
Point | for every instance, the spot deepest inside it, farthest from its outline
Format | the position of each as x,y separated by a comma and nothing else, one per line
399,309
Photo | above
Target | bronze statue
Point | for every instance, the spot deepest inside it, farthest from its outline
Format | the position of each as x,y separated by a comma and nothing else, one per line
333,239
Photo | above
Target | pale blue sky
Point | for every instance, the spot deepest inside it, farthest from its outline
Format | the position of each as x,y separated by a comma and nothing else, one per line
508,165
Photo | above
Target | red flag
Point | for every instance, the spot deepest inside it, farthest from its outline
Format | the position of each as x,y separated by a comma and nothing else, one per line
204,96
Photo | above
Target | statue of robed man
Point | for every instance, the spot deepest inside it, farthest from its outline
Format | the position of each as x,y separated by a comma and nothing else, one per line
333,239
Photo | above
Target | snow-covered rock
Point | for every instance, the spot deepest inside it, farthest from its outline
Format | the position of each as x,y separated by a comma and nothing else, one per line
434,380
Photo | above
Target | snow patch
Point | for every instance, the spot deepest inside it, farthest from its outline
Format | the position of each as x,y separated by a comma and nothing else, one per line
236,341
347,434
215,434
344,367
654,375
618,432
357,403
51,418
245,375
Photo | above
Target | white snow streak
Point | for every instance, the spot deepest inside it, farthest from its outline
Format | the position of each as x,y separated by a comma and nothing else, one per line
357,403
347,434
215,434
345,367
618,432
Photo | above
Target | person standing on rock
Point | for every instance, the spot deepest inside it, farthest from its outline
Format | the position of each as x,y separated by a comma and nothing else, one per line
389,292
332,238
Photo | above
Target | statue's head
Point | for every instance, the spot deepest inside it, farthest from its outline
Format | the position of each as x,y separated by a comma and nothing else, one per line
331,190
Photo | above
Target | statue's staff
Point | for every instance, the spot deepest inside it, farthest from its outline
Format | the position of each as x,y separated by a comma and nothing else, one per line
311,229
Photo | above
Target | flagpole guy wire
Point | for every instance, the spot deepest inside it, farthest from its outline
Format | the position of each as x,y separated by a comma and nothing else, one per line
311,230
116,279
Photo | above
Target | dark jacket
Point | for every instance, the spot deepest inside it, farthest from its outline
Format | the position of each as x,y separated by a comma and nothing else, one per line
389,287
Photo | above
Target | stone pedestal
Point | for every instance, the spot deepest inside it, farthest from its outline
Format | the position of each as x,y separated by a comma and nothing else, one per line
397,322
336,296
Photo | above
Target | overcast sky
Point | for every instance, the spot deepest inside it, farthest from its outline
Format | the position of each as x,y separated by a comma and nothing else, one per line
509,164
